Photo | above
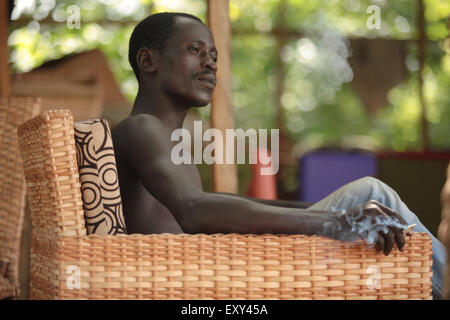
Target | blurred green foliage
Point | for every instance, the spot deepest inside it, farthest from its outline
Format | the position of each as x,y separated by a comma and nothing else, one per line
320,105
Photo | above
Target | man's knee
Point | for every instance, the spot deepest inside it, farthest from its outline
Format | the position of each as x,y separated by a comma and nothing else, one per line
369,181
371,188
360,190
376,189
366,184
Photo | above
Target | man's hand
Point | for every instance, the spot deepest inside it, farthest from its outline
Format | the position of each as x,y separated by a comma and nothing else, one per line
373,222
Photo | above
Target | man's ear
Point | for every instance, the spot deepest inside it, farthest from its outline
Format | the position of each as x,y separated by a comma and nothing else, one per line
146,59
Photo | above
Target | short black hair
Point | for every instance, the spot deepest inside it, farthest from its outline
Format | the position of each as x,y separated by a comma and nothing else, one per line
153,33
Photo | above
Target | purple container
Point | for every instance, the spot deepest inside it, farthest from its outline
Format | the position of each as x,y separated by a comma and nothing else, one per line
322,172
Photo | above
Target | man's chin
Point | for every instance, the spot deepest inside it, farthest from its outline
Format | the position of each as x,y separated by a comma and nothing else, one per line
202,105
199,103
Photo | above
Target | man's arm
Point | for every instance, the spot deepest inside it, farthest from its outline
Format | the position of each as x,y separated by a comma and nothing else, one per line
275,203
148,154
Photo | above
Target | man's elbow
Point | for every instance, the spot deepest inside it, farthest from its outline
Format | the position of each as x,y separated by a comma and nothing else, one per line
189,215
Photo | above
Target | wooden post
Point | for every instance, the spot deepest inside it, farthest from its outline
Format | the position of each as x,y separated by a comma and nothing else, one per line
280,117
5,84
224,175
421,58
444,230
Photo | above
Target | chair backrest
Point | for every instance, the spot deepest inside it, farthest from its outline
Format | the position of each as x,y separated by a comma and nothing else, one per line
47,145
13,112
71,176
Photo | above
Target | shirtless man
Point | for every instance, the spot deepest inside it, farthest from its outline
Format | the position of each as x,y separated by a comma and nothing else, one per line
174,59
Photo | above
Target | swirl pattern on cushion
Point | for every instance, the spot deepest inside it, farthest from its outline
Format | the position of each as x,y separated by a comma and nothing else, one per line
100,191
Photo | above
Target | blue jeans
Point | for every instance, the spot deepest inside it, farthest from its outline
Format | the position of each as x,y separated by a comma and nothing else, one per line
368,188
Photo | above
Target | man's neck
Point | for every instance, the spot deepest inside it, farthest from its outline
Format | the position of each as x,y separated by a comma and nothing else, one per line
160,106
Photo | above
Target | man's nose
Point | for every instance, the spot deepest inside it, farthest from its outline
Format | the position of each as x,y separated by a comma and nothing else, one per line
209,63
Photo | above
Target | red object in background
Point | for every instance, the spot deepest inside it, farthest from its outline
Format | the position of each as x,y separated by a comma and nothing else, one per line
262,186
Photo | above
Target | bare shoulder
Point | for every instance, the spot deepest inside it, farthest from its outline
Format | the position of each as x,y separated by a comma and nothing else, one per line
142,127
140,134
135,125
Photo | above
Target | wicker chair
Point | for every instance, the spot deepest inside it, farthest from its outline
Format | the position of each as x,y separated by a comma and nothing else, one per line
444,230
68,264
13,112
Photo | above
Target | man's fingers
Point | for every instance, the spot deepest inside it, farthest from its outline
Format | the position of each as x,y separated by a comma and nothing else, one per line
399,239
389,240
379,244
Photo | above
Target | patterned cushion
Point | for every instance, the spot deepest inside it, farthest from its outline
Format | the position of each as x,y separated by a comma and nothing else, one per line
98,176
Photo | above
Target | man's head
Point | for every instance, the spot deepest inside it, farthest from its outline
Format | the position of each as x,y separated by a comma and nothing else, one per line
175,52
153,33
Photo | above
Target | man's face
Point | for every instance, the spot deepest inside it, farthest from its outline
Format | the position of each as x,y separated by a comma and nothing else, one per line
188,70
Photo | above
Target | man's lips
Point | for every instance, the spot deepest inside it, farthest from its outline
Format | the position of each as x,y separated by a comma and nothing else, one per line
208,80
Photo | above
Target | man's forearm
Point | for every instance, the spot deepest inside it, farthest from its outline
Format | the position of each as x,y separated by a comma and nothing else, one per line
223,213
276,203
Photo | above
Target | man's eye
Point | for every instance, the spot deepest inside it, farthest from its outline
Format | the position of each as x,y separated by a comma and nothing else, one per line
194,49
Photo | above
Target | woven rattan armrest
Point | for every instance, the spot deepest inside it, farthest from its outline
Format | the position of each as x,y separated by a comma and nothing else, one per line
231,266
67,263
